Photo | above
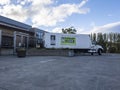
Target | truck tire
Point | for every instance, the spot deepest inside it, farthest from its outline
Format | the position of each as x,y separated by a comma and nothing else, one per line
99,52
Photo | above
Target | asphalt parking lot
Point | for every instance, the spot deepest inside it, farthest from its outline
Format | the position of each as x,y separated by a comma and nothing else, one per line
83,72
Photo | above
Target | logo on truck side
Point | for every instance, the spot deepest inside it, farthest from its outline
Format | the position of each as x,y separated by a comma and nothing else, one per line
68,41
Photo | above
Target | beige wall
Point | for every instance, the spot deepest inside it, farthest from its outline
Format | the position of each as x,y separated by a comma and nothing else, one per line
7,32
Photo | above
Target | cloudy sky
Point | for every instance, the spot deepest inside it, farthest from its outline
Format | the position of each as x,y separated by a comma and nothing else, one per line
52,15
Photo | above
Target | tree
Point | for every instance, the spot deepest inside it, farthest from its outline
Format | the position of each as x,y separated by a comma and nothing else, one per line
100,38
94,37
70,30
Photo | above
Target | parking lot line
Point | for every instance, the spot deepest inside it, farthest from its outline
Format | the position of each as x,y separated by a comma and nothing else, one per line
47,61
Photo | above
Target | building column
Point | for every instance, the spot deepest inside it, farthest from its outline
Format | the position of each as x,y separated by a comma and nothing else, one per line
14,51
0,40
27,41
21,39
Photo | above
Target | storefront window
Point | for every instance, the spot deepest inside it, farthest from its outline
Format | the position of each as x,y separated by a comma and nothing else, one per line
7,41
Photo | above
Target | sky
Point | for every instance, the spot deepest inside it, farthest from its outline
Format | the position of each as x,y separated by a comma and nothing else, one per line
86,16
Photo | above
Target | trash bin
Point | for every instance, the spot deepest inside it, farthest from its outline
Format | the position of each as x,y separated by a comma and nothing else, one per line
21,52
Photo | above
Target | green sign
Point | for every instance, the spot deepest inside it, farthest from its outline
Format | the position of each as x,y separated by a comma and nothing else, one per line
68,41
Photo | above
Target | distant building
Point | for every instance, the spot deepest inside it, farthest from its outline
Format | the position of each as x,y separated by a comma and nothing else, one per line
14,33
38,34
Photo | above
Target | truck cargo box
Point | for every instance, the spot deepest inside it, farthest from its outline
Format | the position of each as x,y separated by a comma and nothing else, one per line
67,41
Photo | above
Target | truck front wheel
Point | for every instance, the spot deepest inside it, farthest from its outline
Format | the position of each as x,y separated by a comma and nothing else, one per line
99,52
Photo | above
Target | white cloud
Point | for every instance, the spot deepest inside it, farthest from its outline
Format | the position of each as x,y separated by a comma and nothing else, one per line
50,16
111,27
15,12
41,2
57,30
81,31
23,2
3,2
41,12
83,3
107,28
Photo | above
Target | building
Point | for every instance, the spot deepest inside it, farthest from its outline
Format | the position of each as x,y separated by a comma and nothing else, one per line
39,35
14,33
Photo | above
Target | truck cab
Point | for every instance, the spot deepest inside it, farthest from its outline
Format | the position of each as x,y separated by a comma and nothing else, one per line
96,49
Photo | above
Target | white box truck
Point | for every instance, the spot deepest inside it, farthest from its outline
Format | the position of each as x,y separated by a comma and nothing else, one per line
75,42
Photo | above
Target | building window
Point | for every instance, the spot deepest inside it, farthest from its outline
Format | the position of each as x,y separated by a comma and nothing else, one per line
7,41
39,35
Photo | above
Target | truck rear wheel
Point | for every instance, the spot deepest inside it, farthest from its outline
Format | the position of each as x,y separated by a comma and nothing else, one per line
99,52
